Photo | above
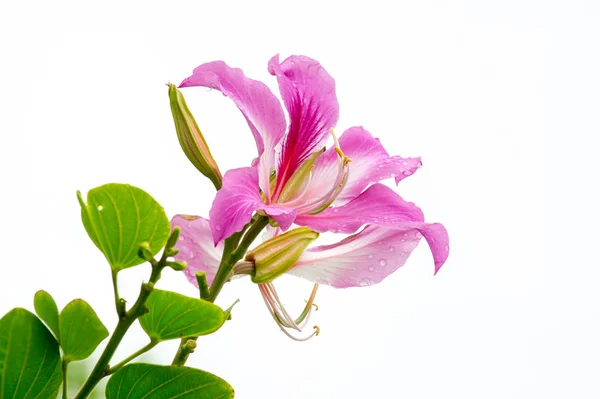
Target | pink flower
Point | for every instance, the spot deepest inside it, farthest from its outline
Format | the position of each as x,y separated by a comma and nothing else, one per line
294,180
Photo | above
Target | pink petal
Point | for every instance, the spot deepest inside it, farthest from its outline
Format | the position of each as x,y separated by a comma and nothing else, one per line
236,202
308,93
259,105
369,256
378,205
370,164
196,247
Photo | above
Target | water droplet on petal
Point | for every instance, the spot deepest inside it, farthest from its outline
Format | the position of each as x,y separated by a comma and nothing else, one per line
404,163
335,210
392,249
371,268
365,282
218,227
388,160
382,262
407,173
371,256
405,234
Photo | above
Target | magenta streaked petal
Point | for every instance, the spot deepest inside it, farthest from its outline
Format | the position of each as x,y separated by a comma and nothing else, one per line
308,93
369,256
236,202
196,247
370,164
258,104
438,240
377,205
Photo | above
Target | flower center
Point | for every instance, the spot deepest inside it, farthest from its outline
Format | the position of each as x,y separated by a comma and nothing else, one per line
303,203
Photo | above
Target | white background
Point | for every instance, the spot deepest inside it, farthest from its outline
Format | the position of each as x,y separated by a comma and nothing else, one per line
501,99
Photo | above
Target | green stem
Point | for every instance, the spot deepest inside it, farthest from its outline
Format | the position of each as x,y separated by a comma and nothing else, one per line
65,365
231,254
119,305
145,349
186,348
102,369
231,257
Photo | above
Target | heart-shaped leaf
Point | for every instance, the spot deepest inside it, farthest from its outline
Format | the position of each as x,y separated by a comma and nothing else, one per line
81,331
118,218
148,381
172,315
46,309
30,364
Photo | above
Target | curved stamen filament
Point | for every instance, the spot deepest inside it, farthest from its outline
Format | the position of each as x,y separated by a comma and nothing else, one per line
282,317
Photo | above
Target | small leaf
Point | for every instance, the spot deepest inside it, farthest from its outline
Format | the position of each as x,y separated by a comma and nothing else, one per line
30,365
173,315
148,381
118,218
46,309
81,331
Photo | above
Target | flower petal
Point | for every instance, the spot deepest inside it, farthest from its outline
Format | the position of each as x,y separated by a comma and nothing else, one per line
370,164
196,247
377,205
259,105
236,202
369,256
308,93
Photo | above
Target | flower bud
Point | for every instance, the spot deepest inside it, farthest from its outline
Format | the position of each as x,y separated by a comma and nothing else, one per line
279,254
190,138
145,252
177,265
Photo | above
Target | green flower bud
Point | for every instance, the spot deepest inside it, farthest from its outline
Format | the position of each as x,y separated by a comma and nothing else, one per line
279,254
172,241
177,265
145,252
190,138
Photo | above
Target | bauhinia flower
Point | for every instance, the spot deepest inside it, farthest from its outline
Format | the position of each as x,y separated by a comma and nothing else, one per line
297,180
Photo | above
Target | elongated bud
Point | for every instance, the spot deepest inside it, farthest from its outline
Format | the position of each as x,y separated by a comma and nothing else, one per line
279,254
190,138
172,241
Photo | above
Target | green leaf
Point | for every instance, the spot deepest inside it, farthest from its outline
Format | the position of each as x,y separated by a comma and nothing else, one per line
81,331
118,218
30,365
173,315
46,309
148,381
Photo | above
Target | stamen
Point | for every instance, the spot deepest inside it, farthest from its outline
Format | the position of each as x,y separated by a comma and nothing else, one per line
282,317
308,307
315,333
